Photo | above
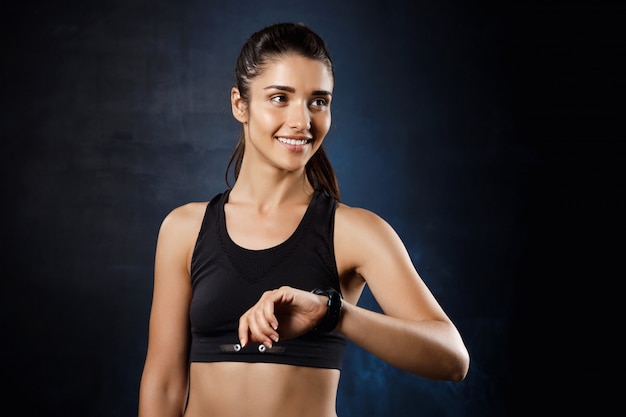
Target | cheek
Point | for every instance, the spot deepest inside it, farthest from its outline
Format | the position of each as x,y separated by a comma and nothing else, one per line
322,123
268,119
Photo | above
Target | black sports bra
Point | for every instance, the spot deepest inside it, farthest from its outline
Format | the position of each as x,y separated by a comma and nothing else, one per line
228,279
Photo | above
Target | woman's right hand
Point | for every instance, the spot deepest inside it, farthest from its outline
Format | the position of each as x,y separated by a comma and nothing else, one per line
283,313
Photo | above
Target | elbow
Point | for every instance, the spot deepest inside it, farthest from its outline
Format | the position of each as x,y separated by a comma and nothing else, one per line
459,367
458,374
458,361
451,367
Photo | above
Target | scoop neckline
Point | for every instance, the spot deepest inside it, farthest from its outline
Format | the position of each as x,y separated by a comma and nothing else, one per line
302,224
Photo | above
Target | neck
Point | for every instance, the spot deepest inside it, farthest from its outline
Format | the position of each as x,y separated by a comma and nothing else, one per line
265,192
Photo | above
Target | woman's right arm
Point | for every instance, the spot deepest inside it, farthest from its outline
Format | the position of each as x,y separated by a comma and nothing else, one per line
164,381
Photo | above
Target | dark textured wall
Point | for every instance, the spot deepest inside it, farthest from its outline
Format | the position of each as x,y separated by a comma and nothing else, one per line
115,112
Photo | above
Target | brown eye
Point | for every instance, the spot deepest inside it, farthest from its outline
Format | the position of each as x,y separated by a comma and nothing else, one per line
319,102
279,99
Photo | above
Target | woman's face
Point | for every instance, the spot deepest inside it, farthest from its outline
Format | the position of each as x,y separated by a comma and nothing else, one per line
288,114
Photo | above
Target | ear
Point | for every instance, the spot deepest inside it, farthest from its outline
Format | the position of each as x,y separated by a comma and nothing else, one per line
239,106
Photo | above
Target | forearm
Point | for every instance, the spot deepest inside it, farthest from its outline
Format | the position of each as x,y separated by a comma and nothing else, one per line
431,349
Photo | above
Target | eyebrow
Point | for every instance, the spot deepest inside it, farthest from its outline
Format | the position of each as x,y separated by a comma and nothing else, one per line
293,90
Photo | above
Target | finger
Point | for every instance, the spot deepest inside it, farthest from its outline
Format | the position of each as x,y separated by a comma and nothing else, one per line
269,315
243,330
261,328
253,327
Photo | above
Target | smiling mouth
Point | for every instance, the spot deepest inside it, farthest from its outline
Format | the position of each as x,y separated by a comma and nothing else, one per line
295,142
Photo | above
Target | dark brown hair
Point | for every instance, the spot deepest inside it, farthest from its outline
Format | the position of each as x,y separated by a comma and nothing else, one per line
273,41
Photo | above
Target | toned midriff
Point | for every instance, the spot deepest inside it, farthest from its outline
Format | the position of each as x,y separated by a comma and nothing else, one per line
236,389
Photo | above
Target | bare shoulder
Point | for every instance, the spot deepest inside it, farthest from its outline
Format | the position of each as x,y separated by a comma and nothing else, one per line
357,220
189,213
184,220
177,236
362,237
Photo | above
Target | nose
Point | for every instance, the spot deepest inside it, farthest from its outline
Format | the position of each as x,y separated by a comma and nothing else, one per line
299,118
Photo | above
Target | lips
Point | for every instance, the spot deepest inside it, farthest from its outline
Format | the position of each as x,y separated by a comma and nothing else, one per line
294,142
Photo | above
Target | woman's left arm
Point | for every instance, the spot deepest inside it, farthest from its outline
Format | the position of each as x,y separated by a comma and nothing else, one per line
414,333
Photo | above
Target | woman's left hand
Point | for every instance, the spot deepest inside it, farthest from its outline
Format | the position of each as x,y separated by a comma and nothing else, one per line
284,313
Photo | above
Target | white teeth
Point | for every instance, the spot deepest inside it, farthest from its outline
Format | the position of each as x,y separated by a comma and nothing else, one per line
293,141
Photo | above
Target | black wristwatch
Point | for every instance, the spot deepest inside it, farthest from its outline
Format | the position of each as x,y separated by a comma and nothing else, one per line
335,302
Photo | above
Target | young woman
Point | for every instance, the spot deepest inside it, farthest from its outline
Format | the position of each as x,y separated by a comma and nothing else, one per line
255,292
